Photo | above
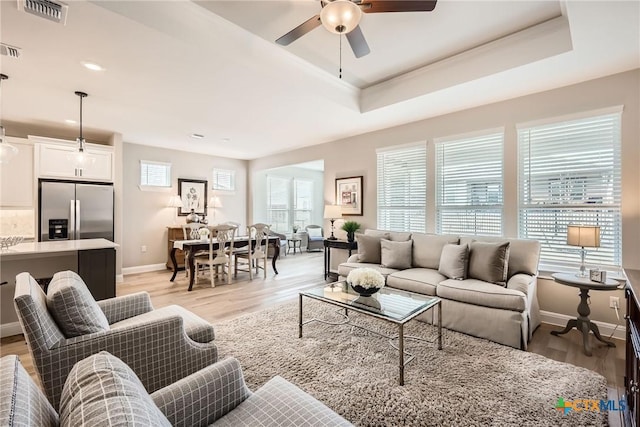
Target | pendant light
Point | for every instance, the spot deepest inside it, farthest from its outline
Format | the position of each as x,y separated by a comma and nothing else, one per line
80,156
7,151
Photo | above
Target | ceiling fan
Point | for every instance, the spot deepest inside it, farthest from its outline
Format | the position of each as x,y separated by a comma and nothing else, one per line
343,17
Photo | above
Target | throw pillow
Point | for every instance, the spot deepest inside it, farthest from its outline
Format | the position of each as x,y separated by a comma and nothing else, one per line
453,261
73,307
489,262
368,248
314,232
101,390
395,254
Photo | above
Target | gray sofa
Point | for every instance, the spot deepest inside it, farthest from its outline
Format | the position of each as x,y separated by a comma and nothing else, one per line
101,390
506,311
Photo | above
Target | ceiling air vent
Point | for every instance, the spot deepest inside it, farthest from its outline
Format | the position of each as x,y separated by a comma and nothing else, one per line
10,51
53,11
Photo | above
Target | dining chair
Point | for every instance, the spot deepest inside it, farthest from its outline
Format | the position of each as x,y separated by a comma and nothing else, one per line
190,232
256,250
222,256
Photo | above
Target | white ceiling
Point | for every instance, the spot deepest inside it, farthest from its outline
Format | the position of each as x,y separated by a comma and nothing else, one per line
174,68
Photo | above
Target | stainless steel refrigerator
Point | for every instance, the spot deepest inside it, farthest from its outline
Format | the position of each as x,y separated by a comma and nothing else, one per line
75,210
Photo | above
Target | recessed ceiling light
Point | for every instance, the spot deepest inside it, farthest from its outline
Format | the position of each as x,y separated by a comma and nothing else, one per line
70,122
226,140
197,136
93,66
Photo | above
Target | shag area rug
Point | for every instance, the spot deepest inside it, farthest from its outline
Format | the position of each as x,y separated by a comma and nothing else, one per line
470,382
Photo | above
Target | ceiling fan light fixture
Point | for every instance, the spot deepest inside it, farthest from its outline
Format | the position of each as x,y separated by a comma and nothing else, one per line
340,16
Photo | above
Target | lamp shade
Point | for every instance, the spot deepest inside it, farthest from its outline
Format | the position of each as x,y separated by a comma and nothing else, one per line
583,235
332,211
175,202
214,202
340,16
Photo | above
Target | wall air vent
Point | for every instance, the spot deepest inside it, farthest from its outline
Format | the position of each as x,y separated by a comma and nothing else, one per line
53,11
10,51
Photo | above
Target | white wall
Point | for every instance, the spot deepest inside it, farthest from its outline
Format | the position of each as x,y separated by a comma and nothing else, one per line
357,156
145,213
259,191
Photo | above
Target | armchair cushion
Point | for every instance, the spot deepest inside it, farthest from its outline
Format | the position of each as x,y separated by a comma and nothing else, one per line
196,327
314,232
103,390
22,403
73,307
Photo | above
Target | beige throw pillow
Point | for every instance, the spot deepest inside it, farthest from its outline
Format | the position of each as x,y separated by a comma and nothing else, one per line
454,261
489,262
396,254
368,248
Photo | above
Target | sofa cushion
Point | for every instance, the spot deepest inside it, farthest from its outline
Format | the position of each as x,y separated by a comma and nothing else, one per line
395,254
489,262
396,236
280,403
195,326
524,255
22,403
103,390
369,248
73,307
418,280
427,248
454,261
478,292
345,268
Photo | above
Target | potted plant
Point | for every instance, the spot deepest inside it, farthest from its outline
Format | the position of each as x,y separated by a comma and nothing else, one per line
350,227
295,229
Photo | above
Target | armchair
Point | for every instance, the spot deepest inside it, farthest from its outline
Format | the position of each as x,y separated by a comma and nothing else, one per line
161,346
315,237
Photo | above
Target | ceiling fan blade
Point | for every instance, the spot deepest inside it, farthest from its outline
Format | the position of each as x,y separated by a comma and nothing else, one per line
358,43
299,31
379,6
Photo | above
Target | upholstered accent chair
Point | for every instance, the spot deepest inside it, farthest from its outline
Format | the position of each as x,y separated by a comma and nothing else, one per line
161,346
255,252
315,237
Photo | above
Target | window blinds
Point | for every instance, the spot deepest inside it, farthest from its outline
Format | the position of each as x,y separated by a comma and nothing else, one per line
224,180
302,202
155,174
402,188
569,173
278,203
469,184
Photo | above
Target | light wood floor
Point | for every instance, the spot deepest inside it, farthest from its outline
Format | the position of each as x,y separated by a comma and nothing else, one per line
302,271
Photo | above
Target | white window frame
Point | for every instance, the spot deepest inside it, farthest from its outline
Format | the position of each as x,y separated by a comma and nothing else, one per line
555,254
486,148
410,210
215,180
153,187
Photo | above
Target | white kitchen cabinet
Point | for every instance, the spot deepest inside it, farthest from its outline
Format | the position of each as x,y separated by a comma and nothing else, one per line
56,159
16,186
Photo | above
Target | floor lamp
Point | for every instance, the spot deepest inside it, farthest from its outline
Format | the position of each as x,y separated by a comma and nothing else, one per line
175,202
332,212
214,203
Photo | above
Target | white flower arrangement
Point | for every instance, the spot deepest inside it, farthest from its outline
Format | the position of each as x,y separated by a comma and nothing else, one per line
203,232
366,277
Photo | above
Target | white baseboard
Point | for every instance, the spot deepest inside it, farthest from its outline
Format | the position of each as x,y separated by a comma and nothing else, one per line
9,329
143,269
119,278
606,329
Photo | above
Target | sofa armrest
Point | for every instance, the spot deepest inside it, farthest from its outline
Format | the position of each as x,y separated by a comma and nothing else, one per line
521,282
158,351
354,258
204,396
124,307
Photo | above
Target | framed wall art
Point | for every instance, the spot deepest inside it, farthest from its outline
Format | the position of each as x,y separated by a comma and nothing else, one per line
193,193
349,195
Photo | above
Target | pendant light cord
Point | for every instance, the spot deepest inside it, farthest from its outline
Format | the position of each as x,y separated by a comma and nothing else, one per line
81,116
340,56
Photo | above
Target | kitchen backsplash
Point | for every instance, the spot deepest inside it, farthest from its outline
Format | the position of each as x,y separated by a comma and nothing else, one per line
17,222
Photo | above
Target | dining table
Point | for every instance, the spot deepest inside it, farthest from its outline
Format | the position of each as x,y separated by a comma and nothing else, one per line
190,247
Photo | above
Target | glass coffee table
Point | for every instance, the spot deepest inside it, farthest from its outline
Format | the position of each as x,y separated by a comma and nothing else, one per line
393,305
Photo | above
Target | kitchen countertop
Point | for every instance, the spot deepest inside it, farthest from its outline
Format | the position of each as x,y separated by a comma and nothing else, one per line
55,246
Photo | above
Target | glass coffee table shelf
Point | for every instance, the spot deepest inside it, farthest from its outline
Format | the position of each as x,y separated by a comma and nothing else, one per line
392,305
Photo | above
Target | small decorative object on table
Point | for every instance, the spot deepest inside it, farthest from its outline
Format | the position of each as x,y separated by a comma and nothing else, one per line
7,242
365,281
192,217
204,233
597,275
351,227
295,229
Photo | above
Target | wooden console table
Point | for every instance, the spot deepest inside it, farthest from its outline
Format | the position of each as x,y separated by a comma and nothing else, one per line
336,244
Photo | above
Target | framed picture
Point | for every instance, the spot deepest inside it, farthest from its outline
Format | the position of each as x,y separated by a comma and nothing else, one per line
193,193
349,195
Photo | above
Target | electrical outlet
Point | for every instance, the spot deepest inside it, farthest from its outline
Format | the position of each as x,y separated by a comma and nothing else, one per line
614,302
143,249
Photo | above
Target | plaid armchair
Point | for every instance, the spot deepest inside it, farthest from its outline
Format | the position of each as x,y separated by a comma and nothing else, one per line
161,346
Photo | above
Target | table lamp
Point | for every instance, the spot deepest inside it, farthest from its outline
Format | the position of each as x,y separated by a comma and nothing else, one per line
175,202
583,236
332,212
214,202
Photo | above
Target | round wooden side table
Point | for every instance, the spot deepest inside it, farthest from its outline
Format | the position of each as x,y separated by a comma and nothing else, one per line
582,323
